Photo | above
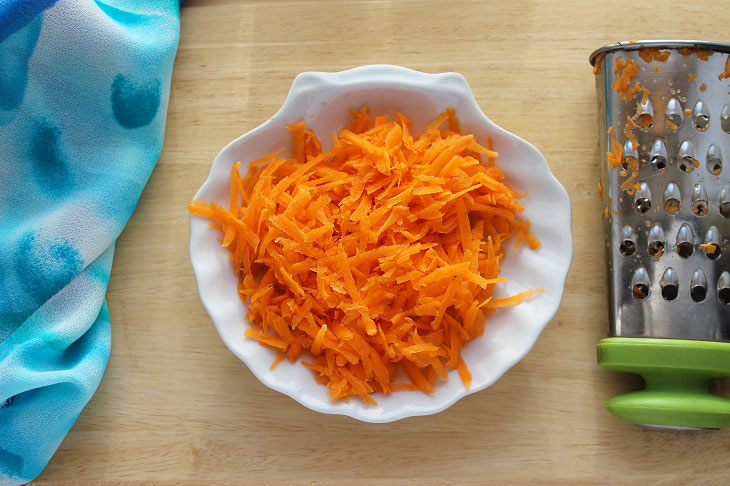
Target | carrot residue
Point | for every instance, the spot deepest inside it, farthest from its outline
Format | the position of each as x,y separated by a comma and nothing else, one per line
726,73
709,247
624,73
701,54
629,132
598,63
616,155
692,77
381,253
645,120
703,87
649,54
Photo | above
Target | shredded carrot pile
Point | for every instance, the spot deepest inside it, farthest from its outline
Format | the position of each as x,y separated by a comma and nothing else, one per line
649,54
379,254
624,72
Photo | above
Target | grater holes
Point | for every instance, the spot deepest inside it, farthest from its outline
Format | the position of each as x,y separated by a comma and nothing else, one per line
714,159
687,160
643,205
701,116
659,162
658,155
628,241
712,243
698,293
685,241
631,156
669,284
640,291
627,247
642,198
725,209
671,199
656,248
723,295
656,241
713,252
685,249
645,119
723,288
725,118
640,284
673,113
724,205
698,286
700,208
671,205
670,292
699,200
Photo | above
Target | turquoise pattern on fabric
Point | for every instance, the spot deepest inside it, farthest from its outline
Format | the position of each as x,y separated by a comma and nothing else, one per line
84,86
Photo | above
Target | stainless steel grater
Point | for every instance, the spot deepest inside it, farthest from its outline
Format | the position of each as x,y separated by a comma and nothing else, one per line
664,125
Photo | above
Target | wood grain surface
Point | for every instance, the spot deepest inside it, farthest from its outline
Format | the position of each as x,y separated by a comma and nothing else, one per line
176,406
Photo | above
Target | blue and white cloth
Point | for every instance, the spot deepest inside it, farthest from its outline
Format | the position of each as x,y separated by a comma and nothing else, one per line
84,86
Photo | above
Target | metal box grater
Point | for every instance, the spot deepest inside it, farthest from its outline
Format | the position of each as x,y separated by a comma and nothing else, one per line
664,124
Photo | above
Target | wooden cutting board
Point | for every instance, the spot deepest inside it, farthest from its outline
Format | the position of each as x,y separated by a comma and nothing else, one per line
175,405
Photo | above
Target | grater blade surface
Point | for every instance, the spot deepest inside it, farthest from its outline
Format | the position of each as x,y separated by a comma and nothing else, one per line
667,200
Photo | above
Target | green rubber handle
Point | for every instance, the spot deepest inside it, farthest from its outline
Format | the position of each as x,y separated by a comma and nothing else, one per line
677,374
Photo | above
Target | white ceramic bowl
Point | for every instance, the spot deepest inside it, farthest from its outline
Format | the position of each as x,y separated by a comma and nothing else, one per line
321,100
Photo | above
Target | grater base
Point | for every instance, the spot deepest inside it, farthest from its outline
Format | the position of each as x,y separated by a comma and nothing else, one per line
677,375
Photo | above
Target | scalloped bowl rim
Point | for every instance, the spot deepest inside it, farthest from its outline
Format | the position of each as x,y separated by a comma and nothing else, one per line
305,88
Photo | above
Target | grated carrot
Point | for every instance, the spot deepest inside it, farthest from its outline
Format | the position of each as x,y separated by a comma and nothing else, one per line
726,73
649,54
598,63
381,253
616,155
701,54
624,73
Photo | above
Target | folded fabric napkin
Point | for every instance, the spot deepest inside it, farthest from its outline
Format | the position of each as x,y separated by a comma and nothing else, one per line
83,98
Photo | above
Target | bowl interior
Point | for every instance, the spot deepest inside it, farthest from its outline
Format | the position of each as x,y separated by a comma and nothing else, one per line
322,101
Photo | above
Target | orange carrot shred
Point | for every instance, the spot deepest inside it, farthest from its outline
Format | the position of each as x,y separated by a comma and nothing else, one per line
380,254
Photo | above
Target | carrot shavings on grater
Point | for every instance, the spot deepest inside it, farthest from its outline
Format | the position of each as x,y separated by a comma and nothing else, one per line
649,54
701,54
625,72
598,63
726,73
381,253
617,154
